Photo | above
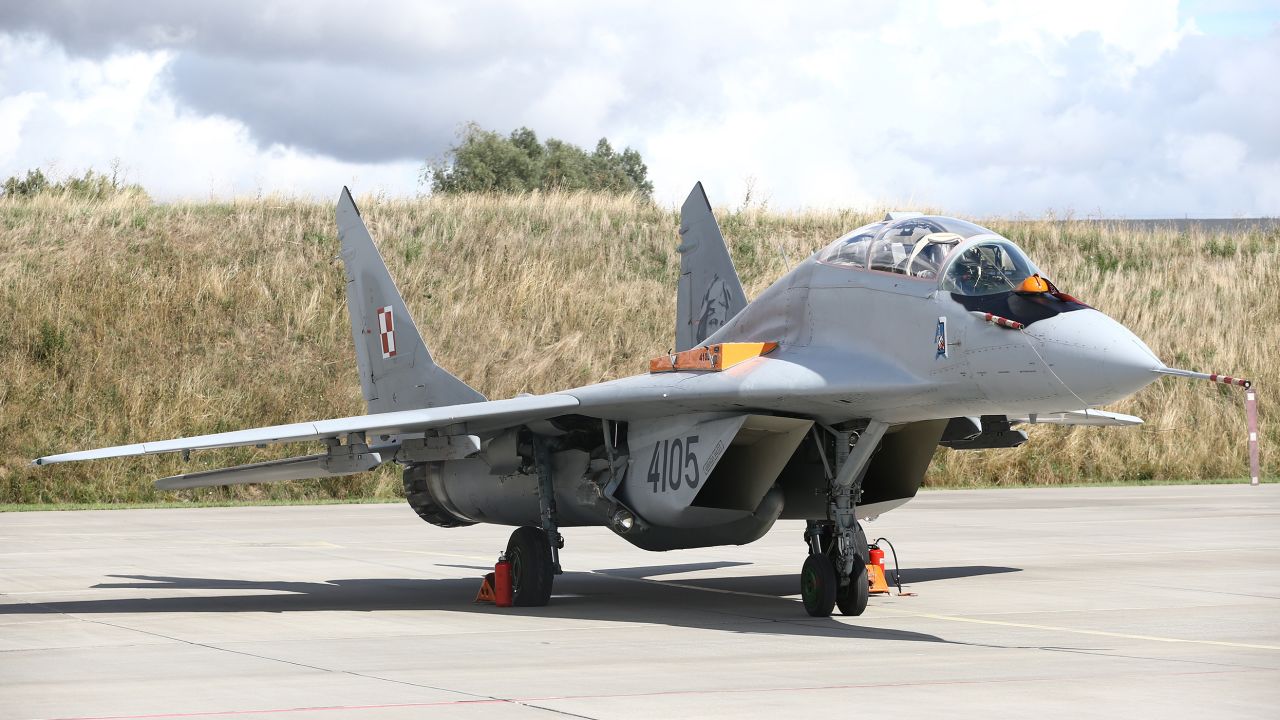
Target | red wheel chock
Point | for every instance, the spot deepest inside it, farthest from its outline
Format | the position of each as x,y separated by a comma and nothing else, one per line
486,594
496,587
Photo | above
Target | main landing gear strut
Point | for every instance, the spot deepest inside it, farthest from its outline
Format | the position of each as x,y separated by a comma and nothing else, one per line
534,552
835,573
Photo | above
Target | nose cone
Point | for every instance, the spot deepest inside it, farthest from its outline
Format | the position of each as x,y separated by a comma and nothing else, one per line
1096,357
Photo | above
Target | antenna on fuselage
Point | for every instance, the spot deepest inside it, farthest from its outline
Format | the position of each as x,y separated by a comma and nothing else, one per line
785,260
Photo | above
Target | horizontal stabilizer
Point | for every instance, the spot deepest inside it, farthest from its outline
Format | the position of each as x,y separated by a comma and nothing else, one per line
1081,417
306,467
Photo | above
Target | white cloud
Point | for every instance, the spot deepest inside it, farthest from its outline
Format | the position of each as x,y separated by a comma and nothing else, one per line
977,106
88,114
14,110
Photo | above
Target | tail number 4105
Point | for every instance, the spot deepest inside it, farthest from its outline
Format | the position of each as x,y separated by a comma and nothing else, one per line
673,463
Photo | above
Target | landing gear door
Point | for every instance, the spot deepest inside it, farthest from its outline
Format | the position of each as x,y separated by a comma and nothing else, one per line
671,458
702,470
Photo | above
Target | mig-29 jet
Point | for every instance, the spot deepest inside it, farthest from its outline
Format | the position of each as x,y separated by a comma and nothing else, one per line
823,399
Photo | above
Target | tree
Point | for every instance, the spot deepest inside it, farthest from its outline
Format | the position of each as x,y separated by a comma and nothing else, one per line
484,161
33,184
89,186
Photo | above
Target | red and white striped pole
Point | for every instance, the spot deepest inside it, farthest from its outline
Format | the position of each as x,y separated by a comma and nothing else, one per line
1250,411
1251,415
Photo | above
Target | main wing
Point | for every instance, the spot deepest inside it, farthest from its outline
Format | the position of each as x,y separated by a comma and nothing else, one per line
396,372
479,417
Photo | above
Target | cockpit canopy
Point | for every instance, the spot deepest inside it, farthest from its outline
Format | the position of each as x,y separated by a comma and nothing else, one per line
987,267
923,247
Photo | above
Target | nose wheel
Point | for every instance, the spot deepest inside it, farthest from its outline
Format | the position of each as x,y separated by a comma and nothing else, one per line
818,585
852,597
822,589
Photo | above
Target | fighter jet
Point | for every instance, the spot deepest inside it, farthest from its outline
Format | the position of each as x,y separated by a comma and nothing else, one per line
823,399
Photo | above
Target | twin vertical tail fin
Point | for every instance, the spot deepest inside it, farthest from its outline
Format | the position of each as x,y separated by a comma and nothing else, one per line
396,370
710,293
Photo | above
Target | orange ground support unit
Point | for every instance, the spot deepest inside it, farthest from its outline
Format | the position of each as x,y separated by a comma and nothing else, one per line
720,356
875,576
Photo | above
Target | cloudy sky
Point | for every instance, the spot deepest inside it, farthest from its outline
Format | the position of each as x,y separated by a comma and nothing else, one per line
1130,109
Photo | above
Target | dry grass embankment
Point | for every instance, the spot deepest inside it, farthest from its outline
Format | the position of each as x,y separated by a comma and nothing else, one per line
127,321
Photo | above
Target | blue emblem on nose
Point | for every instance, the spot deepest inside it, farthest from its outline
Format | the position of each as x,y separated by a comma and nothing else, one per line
940,338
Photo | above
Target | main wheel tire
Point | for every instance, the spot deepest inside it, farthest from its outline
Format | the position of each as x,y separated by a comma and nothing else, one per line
532,569
853,597
818,585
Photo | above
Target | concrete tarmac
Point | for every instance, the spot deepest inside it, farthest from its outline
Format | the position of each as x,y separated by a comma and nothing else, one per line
1101,602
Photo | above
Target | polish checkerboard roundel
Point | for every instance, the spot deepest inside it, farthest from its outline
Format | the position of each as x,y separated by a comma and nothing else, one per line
387,331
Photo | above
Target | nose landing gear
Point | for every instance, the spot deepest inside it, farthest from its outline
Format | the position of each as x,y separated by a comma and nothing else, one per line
822,587
835,573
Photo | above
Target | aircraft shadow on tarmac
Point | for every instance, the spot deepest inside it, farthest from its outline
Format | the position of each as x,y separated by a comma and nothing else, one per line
747,604
788,583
